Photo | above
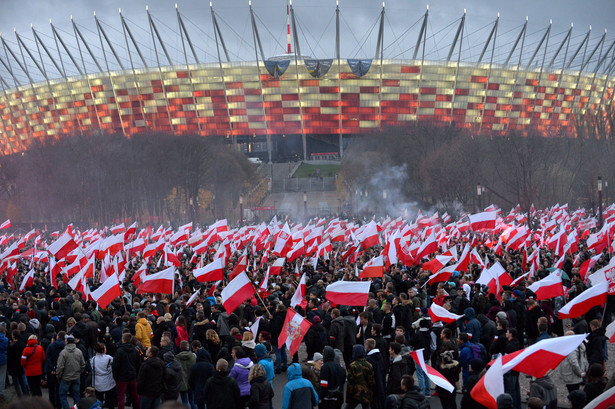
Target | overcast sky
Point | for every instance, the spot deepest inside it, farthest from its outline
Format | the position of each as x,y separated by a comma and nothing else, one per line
316,19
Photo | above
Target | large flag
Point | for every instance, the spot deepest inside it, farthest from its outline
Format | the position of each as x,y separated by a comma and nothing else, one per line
295,328
435,376
108,291
351,293
490,386
373,268
438,313
434,265
589,298
603,401
277,266
6,224
213,271
483,221
62,246
283,241
369,235
495,277
27,280
299,295
549,287
237,291
241,265
158,283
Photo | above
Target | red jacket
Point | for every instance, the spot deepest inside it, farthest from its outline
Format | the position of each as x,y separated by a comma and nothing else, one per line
32,358
182,335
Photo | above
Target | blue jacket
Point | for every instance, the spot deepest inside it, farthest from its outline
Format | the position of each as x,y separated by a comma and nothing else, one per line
465,356
267,363
4,346
298,392
472,325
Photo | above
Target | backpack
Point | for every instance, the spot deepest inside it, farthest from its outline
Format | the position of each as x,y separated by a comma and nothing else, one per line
479,352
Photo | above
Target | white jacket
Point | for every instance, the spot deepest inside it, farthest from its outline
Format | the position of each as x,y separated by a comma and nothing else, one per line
102,375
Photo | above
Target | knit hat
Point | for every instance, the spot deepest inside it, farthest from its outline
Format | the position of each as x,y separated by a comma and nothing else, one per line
358,351
517,293
317,356
260,351
315,319
505,401
502,316
35,323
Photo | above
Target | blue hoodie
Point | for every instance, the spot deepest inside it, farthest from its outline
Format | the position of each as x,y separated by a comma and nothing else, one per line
298,392
265,360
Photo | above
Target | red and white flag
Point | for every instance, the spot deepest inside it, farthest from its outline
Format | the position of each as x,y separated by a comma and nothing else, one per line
299,295
108,291
549,287
6,224
610,332
158,283
130,231
193,298
27,280
495,277
111,245
236,292
351,293
120,228
373,268
213,271
277,266
438,313
283,241
483,221
443,275
434,265
435,376
603,401
490,386
62,246
582,303
295,328
588,264
369,235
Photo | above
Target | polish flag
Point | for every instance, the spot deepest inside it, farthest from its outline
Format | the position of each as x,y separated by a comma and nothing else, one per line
283,241
120,228
295,328
589,298
603,401
185,228
299,295
588,264
6,224
438,313
263,289
351,293
158,283
297,251
373,268
213,271
79,280
111,245
236,292
151,249
443,275
62,246
276,266
241,265
108,291
435,376
27,280
517,280
213,288
610,332
131,230
136,246
219,226
549,287
483,221
464,259
495,277
537,359
490,386
434,265
193,298
369,235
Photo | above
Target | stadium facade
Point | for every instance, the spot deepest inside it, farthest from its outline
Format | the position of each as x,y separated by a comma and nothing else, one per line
298,96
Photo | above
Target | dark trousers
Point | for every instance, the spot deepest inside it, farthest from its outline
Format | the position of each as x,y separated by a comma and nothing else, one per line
54,390
109,397
447,399
34,382
121,394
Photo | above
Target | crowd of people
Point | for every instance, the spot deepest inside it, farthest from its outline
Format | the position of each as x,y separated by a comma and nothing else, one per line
143,350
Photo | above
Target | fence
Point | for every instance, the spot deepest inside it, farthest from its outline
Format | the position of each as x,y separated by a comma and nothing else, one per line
317,184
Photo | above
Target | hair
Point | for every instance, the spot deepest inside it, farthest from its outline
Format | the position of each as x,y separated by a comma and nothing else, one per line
407,382
464,337
396,347
504,324
543,327
141,314
513,332
32,337
16,334
126,338
184,346
447,333
594,323
239,352
265,335
166,339
234,331
448,345
154,350
335,313
256,371
100,348
89,391
535,403
370,343
222,365
595,372
400,339
364,314
377,328
248,336
181,321
212,335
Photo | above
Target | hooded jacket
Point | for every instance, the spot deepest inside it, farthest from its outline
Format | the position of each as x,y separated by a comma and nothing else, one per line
595,346
150,382
70,363
472,325
545,389
374,357
126,363
332,375
32,358
241,372
261,393
143,332
265,360
200,372
102,375
361,381
298,392
186,359
222,392
173,376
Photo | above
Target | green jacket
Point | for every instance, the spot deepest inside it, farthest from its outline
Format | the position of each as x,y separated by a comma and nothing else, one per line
186,359
361,383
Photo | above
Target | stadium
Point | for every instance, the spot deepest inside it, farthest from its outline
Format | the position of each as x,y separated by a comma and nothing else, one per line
294,104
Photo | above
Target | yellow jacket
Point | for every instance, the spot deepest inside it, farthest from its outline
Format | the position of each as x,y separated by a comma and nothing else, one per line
144,332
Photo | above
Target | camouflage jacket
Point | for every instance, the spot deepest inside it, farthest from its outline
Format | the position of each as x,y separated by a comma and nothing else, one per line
361,382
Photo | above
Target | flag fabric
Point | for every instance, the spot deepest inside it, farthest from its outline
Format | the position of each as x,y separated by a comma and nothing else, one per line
434,265
435,376
588,264
193,298
549,287
108,291
299,295
158,283
254,327
62,246
6,224
213,271
495,277
351,293
603,401
442,275
236,292
490,386
27,280
369,235
582,303
610,332
373,268
483,221
276,266
295,328
438,313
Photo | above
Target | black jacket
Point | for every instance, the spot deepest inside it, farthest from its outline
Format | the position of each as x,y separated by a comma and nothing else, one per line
332,375
399,367
467,401
222,392
126,363
411,398
336,333
261,393
595,346
150,382
173,377
374,357
200,372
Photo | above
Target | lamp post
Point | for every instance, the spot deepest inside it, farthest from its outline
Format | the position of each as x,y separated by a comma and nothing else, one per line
606,192
241,210
600,201
305,205
479,193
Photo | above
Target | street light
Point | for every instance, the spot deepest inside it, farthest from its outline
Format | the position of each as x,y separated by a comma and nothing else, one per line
479,193
241,209
305,205
600,201
606,192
